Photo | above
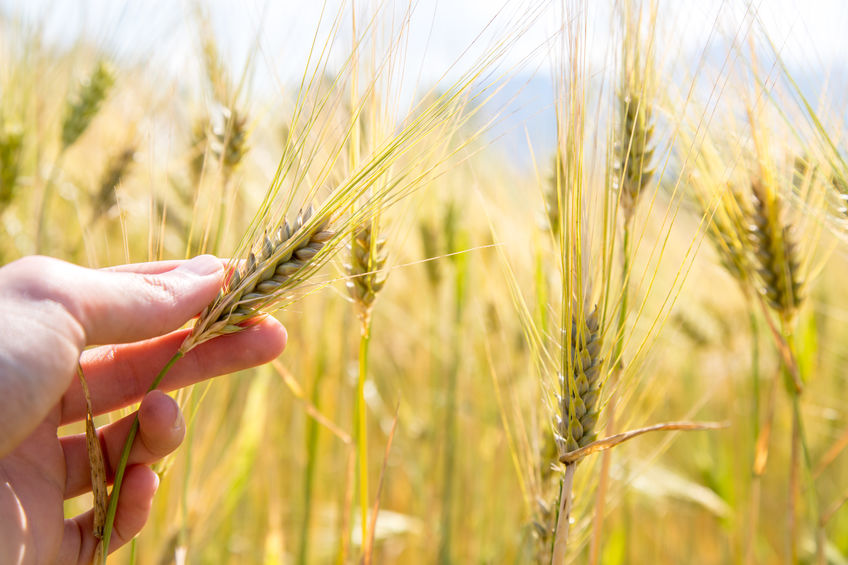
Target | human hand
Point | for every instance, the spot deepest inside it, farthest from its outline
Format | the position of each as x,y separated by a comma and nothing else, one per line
49,312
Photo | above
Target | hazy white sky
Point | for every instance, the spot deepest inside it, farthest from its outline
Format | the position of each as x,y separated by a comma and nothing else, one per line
162,36
809,34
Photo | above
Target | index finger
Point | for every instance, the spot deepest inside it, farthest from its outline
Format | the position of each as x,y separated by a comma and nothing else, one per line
151,267
120,375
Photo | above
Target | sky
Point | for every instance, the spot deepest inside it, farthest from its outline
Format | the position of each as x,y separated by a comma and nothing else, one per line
810,32
162,36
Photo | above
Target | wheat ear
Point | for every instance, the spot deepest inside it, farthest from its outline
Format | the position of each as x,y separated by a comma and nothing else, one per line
729,231
80,110
275,267
634,150
11,143
114,173
367,259
580,388
775,254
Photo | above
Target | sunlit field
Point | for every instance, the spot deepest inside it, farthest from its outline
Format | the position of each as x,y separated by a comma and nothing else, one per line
562,281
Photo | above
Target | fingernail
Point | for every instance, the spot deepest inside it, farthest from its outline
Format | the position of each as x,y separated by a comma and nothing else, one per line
167,406
202,265
174,412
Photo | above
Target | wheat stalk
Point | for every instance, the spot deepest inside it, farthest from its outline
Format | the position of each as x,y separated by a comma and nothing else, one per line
364,269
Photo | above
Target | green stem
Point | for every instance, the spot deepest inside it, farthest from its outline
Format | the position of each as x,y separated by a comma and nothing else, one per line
794,479
552,547
450,419
564,516
751,541
448,469
125,456
755,372
361,426
800,462
189,442
625,290
312,435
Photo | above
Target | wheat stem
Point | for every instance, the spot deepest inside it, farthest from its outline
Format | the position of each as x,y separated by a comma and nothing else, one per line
183,534
125,456
361,426
451,393
312,435
564,517
794,481
755,428
801,463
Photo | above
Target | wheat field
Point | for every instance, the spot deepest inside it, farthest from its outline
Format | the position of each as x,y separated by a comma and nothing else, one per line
561,280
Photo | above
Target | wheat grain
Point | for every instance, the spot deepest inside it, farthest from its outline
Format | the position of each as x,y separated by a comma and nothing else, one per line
774,254
367,259
229,143
580,387
728,232
633,144
635,152
276,266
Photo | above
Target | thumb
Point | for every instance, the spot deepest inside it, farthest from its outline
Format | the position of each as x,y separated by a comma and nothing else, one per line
118,307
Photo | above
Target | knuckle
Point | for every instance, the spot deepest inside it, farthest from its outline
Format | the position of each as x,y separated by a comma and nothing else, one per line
33,275
161,290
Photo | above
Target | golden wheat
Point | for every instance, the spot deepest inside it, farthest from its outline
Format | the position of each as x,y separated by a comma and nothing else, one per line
773,251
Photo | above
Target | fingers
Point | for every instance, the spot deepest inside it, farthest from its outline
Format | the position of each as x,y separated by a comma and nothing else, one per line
120,375
161,430
146,268
116,306
78,541
151,267
52,310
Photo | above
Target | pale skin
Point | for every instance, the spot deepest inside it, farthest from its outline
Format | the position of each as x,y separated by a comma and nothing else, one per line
122,324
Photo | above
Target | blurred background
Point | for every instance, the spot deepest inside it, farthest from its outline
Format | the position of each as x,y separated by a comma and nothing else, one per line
134,131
